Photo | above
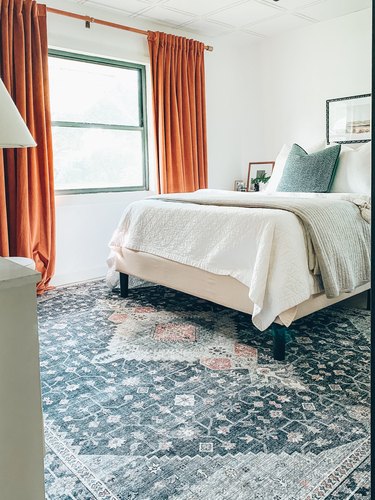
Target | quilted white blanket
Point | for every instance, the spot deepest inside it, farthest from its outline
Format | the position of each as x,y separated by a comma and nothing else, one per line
339,232
264,249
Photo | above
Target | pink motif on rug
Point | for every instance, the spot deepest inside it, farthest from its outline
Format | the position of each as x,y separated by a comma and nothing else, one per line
217,363
245,351
118,317
144,310
175,332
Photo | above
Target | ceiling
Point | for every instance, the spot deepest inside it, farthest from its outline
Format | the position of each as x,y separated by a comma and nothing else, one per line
215,18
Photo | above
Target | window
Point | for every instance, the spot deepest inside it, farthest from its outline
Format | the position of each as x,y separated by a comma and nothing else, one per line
98,109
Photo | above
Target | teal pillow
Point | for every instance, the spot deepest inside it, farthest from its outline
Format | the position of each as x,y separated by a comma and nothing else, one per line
309,173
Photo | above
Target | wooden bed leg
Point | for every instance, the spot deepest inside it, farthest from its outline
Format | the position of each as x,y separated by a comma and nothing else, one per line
124,285
368,305
279,334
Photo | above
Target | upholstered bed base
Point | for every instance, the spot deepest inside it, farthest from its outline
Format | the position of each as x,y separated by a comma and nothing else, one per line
223,290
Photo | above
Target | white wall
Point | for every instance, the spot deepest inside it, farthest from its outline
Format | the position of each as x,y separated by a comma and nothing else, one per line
274,91
84,223
303,68
233,107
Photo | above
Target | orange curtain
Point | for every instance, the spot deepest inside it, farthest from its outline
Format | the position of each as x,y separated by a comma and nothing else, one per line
27,203
178,80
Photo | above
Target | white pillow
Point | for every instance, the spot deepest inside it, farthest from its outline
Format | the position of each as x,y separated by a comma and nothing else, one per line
353,174
278,168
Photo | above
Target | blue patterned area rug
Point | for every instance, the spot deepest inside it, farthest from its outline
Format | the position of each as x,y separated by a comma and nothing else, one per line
166,396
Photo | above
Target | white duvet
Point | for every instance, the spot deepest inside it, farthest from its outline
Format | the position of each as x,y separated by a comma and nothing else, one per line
265,249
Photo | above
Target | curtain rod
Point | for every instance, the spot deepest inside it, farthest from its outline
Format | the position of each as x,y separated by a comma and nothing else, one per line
89,20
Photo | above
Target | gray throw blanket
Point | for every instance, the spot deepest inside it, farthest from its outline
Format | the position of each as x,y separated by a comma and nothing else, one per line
339,235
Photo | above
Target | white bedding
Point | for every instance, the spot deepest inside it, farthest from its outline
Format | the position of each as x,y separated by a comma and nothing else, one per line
265,249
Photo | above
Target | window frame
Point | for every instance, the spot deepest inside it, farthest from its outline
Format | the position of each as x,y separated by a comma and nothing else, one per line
142,100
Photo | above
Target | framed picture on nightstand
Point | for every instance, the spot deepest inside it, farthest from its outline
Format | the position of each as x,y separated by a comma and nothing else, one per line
239,186
258,174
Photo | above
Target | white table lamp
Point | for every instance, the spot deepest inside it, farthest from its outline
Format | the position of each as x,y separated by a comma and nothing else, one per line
13,130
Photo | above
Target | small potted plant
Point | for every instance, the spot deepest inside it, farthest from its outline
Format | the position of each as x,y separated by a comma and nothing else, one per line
262,178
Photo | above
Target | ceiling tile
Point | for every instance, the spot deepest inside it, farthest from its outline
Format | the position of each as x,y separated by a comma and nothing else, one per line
161,14
130,6
329,9
246,13
256,18
280,24
241,37
292,4
200,7
249,35
206,28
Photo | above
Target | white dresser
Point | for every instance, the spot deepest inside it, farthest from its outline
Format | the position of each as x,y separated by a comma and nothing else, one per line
21,421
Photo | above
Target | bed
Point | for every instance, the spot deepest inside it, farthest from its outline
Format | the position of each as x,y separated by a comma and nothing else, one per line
277,256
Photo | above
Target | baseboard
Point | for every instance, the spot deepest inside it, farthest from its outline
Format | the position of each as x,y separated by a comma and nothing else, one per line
79,276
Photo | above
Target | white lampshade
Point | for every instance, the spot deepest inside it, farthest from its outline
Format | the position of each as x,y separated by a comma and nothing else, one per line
13,130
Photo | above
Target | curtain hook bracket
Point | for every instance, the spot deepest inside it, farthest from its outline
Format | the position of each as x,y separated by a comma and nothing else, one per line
88,22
